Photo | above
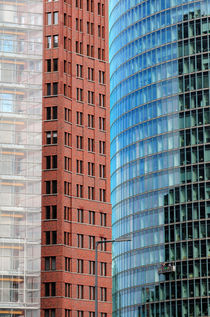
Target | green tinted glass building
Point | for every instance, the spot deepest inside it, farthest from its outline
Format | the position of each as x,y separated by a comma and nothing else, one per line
160,157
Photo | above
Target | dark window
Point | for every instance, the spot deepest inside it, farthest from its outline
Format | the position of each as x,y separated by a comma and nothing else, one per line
55,89
48,65
55,64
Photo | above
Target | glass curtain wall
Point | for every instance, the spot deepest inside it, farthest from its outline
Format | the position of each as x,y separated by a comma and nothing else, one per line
20,156
160,157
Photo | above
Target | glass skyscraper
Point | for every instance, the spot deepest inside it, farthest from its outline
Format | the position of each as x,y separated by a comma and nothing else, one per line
160,157
20,156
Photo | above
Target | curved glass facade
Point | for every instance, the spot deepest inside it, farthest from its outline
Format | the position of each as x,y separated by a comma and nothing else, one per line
160,156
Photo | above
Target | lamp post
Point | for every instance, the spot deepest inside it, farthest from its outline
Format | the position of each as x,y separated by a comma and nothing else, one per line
96,266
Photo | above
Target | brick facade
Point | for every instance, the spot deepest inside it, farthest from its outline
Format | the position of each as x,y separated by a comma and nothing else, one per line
76,209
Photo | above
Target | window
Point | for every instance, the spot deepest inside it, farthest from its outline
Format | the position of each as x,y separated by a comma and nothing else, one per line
49,312
49,42
80,215
55,40
102,194
48,88
49,18
79,190
103,294
90,73
79,94
67,188
67,163
51,212
65,19
51,187
92,242
51,162
67,290
67,238
67,264
102,219
103,314
50,263
103,268
80,313
103,245
65,66
102,147
78,3
67,114
102,123
79,71
50,289
79,165
55,64
99,30
80,265
103,32
51,237
51,113
67,139
101,100
102,171
66,213
101,77
80,291
90,145
65,42
91,314
79,142
91,292
88,27
91,217
55,17
78,47
90,49
48,65
103,13
79,118
76,24
91,193
91,169
99,8
92,267
67,313
55,89
80,240
90,121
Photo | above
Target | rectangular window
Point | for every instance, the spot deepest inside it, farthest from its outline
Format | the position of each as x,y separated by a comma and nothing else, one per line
55,41
80,240
102,123
79,189
79,94
51,113
67,164
49,312
92,267
67,114
91,217
103,267
102,219
67,238
67,290
79,140
92,242
80,291
90,145
80,215
67,188
102,171
50,289
103,294
48,61
90,121
55,64
101,77
91,293
80,266
90,74
91,192
51,187
67,139
102,194
49,18
55,89
66,213
68,313
50,263
51,162
80,313
79,71
101,100
91,169
79,118
55,17
99,30
51,212
99,8
48,88
49,42
67,264
102,147
103,245
79,165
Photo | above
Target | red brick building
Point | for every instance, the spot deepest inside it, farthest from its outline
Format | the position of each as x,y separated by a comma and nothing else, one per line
76,209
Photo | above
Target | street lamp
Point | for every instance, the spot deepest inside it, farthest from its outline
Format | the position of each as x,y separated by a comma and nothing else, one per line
96,266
